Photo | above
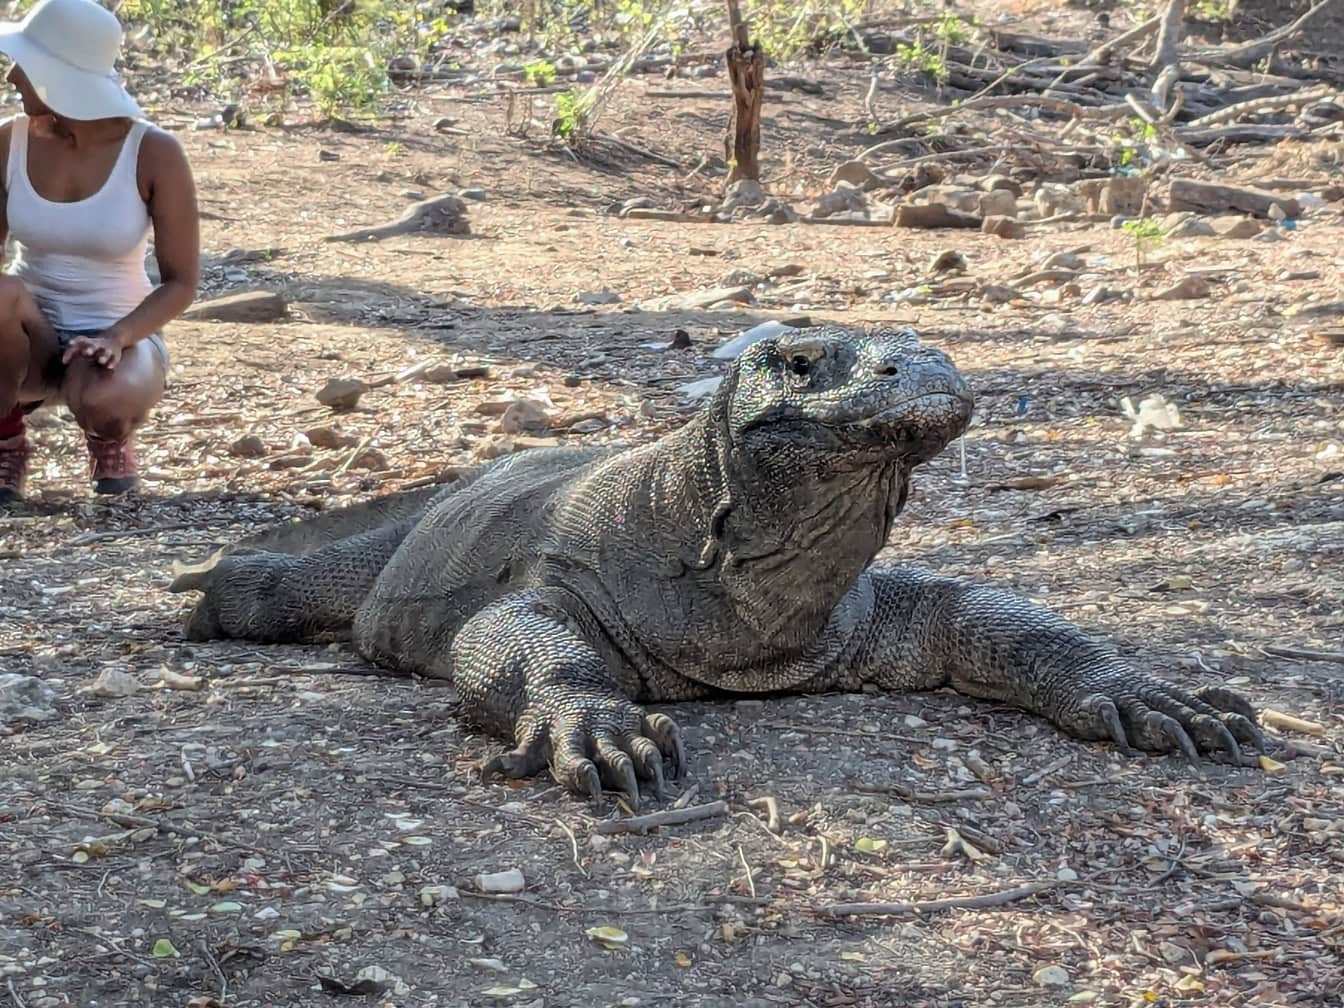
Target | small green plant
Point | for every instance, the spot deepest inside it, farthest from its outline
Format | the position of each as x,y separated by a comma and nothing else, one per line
539,73
1145,231
920,59
573,114
1215,10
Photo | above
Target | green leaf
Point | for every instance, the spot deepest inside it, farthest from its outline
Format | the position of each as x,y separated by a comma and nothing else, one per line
163,949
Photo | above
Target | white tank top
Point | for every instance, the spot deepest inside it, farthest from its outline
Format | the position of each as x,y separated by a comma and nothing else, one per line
83,262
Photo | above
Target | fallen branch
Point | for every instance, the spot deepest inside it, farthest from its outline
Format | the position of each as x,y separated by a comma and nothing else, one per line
672,817
985,901
1304,654
1257,105
1101,54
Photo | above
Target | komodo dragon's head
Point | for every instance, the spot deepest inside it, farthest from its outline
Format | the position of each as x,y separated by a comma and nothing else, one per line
814,435
861,398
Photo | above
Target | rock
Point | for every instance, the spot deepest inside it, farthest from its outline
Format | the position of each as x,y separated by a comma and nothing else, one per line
1270,235
328,437
1054,198
700,299
246,306
843,199
1052,978
341,393
442,374
370,460
1189,288
933,215
954,197
1064,261
25,698
1119,194
740,278
524,416
510,881
1186,225
1003,227
1231,226
999,293
432,895
947,261
476,195
992,182
114,683
701,389
494,446
1189,194
249,446
744,193
998,203
856,174
597,297
734,347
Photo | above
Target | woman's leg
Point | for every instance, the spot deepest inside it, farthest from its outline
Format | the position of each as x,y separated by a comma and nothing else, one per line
28,343
110,405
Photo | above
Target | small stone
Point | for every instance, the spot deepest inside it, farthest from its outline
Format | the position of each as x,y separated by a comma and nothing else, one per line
1066,874
25,698
494,446
597,297
441,374
524,416
1187,225
266,913
341,393
433,895
843,198
1052,977
371,460
510,881
947,261
992,182
248,446
328,437
1003,227
114,683
1236,228
476,195
246,306
856,174
1189,288
998,203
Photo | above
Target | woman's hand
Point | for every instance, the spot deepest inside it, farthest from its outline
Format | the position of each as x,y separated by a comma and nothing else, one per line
104,349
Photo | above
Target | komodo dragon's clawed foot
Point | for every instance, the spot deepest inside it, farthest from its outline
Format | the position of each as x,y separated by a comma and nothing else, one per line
594,741
1139,710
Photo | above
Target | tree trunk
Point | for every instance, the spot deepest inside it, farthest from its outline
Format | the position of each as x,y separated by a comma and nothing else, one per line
746,74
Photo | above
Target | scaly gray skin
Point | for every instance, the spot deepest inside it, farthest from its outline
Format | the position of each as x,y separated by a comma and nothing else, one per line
561,588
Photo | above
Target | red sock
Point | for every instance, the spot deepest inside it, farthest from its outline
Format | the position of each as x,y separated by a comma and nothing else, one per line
11,424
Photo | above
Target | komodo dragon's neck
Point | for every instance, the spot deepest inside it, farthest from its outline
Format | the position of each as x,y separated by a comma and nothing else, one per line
787,530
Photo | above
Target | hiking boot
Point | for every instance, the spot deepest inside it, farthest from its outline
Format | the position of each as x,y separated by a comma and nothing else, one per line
112,465
14,452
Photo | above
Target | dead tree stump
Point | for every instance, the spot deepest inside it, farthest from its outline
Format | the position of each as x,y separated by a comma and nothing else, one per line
746,74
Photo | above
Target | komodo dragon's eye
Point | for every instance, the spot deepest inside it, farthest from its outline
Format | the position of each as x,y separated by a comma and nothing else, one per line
800,365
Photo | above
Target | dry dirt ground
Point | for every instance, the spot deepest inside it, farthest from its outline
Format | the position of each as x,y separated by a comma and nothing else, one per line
262,838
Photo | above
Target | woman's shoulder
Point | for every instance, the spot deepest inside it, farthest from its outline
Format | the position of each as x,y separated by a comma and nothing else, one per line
161,153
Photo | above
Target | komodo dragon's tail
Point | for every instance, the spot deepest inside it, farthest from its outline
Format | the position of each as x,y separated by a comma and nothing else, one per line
309,534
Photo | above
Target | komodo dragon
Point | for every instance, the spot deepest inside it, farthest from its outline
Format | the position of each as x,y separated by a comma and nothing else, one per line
561,588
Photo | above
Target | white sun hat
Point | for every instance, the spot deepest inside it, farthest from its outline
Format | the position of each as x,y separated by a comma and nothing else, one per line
68,50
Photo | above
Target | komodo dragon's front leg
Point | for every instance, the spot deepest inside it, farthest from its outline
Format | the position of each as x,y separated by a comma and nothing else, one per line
928,631
526,669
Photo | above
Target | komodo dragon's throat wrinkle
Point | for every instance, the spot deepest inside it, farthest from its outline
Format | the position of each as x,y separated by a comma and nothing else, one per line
562,588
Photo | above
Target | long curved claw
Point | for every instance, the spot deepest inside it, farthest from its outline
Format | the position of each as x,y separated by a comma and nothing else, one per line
648,763
618,770
667,736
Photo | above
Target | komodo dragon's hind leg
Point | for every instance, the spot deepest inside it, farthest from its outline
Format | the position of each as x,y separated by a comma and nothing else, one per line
282,598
